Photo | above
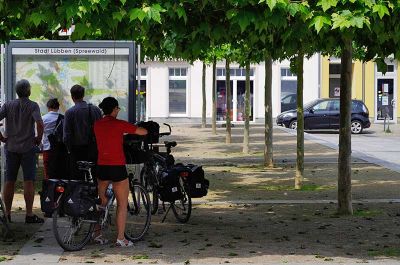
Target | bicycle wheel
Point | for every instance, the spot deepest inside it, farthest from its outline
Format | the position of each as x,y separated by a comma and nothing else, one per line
148,183
139,213
6,232
182,208
72,233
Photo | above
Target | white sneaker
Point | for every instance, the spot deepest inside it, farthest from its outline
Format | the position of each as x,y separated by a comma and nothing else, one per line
123,243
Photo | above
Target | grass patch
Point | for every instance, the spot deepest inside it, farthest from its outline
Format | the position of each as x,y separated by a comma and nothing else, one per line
233,254
306,187
155,245
367,213
387,252
3,259
140,257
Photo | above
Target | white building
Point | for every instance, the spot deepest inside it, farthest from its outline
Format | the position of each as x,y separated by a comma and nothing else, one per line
173,89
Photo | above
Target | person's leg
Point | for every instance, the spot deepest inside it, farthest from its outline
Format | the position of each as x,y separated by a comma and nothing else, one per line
13,161
121,190
28,163
102,187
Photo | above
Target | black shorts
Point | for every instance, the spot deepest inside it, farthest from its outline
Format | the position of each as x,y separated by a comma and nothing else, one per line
111,173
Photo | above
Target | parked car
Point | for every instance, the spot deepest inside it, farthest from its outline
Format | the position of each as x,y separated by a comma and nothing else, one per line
288,102
324,114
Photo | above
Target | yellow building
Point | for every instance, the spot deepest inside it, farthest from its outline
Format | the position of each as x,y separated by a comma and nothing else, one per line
379,92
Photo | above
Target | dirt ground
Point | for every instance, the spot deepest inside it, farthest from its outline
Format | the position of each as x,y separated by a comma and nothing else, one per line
266,233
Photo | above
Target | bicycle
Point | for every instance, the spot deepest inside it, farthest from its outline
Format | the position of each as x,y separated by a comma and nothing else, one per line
151,173
5,227
73,233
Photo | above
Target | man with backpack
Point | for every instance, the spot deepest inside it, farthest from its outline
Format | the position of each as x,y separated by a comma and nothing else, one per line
54,151
78,130
21,116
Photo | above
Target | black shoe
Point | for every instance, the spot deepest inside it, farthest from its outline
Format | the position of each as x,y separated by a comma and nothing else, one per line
34,219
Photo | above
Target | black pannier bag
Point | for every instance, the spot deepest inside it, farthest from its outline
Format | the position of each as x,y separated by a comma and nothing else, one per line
170,189
49,196
197,184
80,199
134,154
153,131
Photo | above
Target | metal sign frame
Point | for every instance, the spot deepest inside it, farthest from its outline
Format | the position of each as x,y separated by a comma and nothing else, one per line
10,75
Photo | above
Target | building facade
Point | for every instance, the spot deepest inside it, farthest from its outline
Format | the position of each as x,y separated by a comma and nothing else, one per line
171,91
378,90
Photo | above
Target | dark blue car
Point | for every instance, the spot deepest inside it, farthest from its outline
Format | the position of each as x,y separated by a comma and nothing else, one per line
324,114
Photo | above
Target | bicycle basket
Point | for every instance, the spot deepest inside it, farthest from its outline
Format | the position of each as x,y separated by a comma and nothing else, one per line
153,131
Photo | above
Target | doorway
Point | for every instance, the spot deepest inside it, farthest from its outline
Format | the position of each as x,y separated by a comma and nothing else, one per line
385,94
238,90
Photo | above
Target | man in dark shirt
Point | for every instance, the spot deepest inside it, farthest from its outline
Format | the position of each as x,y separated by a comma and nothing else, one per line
21,116
78,130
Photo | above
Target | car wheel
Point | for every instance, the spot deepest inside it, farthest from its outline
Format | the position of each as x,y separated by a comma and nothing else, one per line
356,127
293,125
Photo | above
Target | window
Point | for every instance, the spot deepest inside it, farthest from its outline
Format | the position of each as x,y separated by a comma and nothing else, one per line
389,68
335,105
177,90
143,72
234,72
141,94
288,89
322,106
334,80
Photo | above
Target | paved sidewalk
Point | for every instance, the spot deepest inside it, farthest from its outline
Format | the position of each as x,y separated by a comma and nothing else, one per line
373,146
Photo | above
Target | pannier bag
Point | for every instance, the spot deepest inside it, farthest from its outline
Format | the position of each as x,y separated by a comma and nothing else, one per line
80,199
170,189
49,196
197,184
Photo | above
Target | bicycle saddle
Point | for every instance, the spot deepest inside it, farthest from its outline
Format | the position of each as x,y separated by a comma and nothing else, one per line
84,165
170,144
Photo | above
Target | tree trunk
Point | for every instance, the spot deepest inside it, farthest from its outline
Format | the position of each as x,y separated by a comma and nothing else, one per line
214,98
228,102
344,170
203,90
247,109
300,123
268,148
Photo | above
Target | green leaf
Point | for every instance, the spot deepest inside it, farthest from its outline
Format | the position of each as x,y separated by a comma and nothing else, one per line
319,21
154,11
382,10
123,2
231,13
293,8
119,15
181,13
358,22
37,18
326,4
81,30
271,4
137,13
369,3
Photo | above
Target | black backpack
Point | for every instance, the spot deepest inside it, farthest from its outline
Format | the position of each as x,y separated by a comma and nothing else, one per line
80,199
56,136
170,188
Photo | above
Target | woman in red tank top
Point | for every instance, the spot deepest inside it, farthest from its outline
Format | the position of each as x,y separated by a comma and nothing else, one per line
109,132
